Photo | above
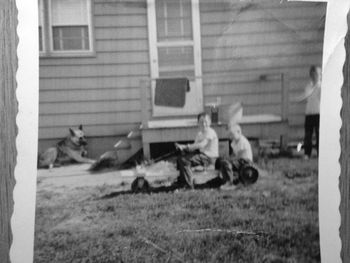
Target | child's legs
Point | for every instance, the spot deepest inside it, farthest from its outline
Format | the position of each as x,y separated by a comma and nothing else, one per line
228,172
184,164
200,159
192,159
308,127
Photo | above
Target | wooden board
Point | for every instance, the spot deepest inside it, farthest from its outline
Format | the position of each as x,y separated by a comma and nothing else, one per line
90,83
102,58
77,95
8,112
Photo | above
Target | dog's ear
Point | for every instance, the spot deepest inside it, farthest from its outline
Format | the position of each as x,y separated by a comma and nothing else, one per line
71,132
81,127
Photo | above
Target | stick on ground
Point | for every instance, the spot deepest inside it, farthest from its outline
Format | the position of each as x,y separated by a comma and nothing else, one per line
228,231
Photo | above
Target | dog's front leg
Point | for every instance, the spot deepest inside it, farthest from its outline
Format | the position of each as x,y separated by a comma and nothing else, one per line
76,156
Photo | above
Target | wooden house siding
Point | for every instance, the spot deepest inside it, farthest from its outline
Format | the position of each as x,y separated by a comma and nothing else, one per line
241,38
99,91
102,91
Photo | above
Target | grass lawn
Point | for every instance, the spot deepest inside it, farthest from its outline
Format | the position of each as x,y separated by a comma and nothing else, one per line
275,220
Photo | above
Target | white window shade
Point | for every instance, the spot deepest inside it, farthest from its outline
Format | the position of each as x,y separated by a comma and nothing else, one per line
69,12
176,61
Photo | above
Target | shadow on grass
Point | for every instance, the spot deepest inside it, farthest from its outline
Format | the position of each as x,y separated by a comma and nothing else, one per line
214,183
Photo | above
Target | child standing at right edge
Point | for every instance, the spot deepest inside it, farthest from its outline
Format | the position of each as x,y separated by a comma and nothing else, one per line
312,95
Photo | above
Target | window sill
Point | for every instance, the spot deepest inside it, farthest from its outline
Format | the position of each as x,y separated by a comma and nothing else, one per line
77,54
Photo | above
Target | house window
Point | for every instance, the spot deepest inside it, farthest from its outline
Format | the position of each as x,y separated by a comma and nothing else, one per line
175,37
174,20
70,38
66,27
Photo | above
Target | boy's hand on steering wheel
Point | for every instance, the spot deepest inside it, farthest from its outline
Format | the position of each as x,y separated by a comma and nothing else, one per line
180,147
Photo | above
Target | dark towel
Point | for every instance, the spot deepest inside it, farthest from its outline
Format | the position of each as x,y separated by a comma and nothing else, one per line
171,92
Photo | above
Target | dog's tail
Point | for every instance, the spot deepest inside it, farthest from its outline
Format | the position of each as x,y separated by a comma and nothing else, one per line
107,160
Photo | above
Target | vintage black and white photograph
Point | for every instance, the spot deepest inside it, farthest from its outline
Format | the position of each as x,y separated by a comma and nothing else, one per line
179,131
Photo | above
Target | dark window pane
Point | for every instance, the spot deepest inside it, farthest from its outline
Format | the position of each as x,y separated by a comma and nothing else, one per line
70,38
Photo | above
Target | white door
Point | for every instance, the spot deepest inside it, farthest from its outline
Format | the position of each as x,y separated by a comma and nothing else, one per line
175,51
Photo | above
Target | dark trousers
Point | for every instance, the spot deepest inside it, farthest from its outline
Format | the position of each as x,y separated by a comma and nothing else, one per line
229,169
187,160
312,123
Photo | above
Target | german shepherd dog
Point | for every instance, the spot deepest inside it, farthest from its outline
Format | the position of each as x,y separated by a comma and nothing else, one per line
69,150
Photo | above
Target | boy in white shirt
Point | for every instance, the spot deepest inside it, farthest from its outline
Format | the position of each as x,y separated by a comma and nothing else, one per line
241,155
240,145
203,151
312,96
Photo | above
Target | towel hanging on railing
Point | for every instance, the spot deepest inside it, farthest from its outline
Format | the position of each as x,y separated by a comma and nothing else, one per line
171,92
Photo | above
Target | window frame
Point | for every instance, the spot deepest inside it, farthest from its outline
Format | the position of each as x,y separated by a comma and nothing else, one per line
47,34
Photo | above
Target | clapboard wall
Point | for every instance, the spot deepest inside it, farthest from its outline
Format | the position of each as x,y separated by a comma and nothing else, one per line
102,91
242,38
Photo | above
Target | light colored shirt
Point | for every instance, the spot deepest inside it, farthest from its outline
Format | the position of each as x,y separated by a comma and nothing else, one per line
314,96
242,148
211,148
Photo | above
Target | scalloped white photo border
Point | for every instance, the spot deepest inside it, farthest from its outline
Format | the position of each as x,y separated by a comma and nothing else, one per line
22,221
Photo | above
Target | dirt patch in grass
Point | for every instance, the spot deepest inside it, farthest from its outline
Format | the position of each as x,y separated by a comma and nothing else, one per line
275,220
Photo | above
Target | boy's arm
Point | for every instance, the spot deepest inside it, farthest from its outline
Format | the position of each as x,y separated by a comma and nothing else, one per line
201,142
193,146
244,154
305,95
247,151
197,145
180,147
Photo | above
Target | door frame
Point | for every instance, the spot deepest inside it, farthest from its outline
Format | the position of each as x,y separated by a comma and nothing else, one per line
195,43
